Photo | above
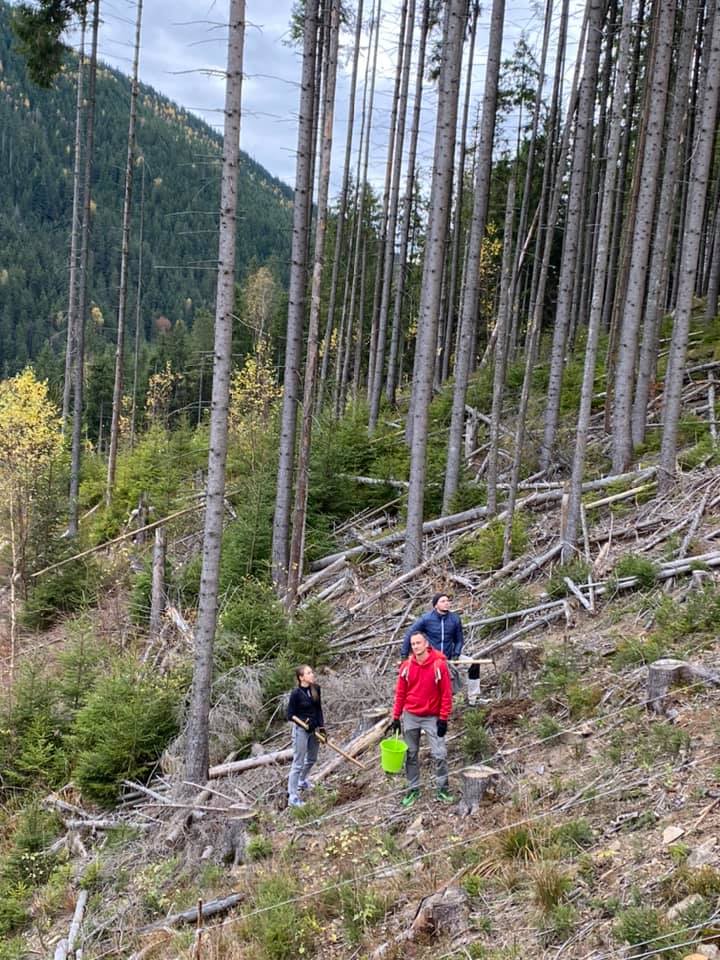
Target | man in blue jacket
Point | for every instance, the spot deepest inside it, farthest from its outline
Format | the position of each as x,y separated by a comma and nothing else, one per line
441,626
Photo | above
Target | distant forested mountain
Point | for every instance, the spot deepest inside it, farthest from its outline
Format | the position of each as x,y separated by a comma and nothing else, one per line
181,155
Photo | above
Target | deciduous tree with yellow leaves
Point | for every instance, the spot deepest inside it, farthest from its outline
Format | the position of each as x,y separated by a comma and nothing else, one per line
29,441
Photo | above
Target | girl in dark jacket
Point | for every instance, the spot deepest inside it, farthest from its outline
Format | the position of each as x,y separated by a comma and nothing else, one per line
304,704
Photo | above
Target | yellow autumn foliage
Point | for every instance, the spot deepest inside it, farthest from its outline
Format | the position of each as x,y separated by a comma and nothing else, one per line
29,431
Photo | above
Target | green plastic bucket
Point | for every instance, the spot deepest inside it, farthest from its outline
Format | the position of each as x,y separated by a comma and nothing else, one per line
392,754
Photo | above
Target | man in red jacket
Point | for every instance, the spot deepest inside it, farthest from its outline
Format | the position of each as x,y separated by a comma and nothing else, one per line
423,697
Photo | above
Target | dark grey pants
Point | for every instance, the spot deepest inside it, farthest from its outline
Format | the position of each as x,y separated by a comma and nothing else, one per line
413,726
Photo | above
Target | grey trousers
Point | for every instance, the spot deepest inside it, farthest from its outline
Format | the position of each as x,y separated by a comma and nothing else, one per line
413,726
305,752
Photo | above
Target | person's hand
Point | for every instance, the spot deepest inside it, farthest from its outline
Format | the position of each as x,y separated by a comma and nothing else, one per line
395,727
321,732
441,728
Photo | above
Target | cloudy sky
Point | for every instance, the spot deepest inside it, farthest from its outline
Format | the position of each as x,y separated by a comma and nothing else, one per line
183,56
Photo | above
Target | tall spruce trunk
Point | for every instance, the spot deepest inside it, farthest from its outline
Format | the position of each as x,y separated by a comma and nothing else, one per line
388,245
393,373
693,227
382,237
83,267
138,308
572,517
75,231
197,731
468,314
452,279
642,234
311,361
663,237
124,264
296,304
341,218
501,340
573,224
433,265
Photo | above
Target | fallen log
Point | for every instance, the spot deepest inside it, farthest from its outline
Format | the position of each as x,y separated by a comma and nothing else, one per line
237,766
211,909
66,947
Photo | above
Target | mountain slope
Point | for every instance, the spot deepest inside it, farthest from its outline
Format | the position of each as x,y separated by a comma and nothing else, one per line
181,155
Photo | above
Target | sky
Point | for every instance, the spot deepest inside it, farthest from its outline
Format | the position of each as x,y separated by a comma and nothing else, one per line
183,56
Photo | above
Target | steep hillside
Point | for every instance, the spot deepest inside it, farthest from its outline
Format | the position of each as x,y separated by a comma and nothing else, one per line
182,190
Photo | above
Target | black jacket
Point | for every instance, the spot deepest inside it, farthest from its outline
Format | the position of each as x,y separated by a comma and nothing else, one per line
443,630
303,706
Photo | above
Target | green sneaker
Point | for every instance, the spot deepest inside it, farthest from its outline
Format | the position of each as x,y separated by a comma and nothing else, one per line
410,797
444,796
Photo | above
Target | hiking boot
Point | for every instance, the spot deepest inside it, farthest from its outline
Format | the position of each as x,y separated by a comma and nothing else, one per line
443,795
305,785
294,801
410,797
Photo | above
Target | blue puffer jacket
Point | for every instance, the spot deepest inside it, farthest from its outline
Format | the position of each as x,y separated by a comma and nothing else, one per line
444,631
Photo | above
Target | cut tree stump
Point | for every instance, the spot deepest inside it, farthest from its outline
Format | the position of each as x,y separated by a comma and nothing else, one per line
662,675
442,913
666,672
524,656
478,783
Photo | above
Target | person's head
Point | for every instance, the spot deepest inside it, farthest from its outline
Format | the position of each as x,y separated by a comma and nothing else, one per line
419,645
441,602
305,675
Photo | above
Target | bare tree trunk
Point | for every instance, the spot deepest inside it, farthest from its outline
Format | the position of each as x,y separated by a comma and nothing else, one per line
582,145
395,134
124,260
157,597
663,238
451,298
388,244
79,368
311,361
468,315
501,339
448,90
138,308
602,262
641,239
296,306
359,257
699,173
75,231
393,365
553,179
341,217
197,731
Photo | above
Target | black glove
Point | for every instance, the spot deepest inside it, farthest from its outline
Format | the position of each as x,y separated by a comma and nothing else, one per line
321,731
395,726
441,728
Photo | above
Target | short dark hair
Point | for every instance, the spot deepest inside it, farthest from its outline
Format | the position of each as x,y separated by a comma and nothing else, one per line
437,596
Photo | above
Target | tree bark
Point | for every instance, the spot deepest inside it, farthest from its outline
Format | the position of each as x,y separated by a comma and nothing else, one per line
663,238
311,361
124,261
79,367
468,316
75,231
440,197
688,266
642,233
296,306
196,749
581,148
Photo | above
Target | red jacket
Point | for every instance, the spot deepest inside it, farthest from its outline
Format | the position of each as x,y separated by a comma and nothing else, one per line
424,688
